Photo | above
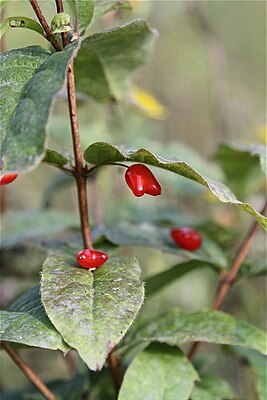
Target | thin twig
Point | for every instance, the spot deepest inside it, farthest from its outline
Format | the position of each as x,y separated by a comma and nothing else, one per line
228,278
31,375
79,167
64,35
45,25
114,365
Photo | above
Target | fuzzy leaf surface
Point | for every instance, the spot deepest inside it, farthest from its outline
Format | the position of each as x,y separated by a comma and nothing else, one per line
92,310
17,68
160,372
107,59
84,10
148,235
212,388
25,322
176,327
101,153
18,226
25,126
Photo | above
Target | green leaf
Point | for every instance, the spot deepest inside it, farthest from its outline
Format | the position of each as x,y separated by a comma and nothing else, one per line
252,268
84,10
64,390
160,372
160,280
17,68
107,59
258,363
92,310
101,153
54,157
25,322
20,22
159,238
103,7
20,225
241,165
176,327
212,387
25,117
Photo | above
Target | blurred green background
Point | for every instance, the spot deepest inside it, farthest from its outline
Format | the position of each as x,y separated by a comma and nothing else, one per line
208,69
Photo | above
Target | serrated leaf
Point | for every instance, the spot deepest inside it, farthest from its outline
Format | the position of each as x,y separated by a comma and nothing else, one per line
54,157
83,10
259,364
160,280
25,322
92,310
107,59
176,327
25,125
20,22
241,165
101,153
212,387
103,7
148,235
20,225
160,372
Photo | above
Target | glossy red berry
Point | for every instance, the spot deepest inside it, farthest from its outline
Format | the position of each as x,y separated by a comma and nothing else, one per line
140,180
187,238
91,259
8,178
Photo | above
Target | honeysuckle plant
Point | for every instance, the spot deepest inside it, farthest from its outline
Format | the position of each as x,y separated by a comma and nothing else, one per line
90,299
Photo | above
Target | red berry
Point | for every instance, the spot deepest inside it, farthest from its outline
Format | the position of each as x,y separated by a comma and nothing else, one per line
187,238
91,259
8,178
141,180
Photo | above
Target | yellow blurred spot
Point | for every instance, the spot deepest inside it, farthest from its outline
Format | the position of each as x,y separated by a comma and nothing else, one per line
147,104
261,134
210,196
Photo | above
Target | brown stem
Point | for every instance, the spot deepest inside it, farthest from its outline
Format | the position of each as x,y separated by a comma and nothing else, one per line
228,278
114,365
64,35
45,25
35,379
80,170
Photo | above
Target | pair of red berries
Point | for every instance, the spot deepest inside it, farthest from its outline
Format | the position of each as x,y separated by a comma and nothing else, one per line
186,238
8,178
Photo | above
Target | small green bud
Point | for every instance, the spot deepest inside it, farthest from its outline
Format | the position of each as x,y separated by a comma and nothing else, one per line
61,23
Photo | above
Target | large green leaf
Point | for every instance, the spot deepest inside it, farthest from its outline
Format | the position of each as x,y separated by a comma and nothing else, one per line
212,387
241,165
20,22
159,238
25,117
84,10
92,310
101,153
17,68
160,280
106,59
160,372
176,327
25,322
18,226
